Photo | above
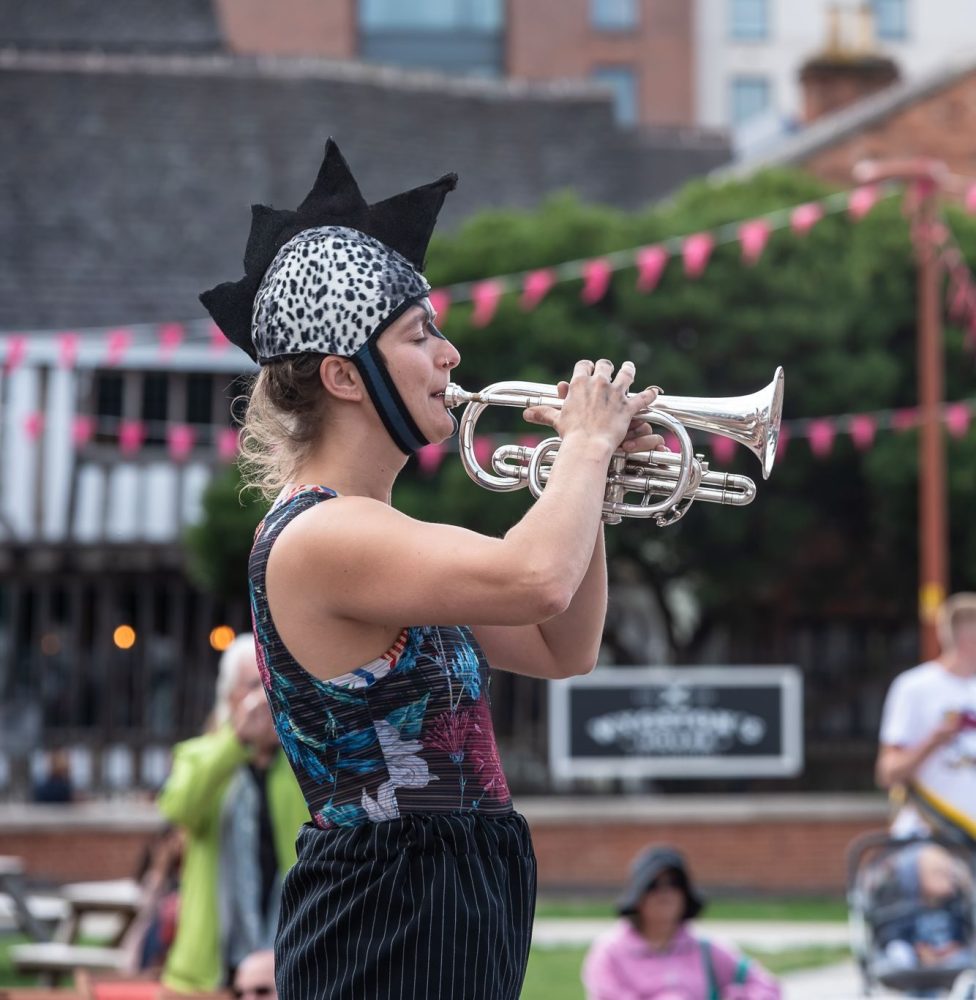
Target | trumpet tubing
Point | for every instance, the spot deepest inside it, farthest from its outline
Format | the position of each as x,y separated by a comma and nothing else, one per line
677,479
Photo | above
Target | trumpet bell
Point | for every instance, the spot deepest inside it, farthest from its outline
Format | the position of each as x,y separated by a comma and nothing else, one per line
753,421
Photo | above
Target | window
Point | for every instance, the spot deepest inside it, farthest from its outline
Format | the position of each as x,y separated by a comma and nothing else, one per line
385,15
614,15
749,20
891,19
750,98
453,36
623,82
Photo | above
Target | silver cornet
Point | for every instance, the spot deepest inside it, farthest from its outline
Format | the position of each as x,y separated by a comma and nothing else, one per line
667,483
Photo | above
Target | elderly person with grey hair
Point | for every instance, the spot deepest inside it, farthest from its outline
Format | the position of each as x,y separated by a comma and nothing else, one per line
234,793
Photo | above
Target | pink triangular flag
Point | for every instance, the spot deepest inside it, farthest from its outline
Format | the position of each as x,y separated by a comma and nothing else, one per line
535,287
170,338
34,425
440,299
483,450
805,217
651,262
821,434
429,458
782,442
82,430
118,344
696,251
485,296
131,435
957,419
862,428
228,443
671,442
905,419
753,236
971,199
179,441
218,342
723,449
16,352
529,440
596,280
67,350
861,201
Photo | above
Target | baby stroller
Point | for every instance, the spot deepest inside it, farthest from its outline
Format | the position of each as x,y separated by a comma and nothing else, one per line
912,915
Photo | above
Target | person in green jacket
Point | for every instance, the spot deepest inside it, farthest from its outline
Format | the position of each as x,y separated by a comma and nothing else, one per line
234,793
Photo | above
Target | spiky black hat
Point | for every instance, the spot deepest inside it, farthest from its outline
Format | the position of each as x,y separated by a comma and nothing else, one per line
331,275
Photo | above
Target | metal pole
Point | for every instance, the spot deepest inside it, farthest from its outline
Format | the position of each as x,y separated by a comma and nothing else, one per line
932,504
926,179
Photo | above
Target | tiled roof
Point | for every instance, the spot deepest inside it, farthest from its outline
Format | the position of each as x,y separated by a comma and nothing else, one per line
127,189
856,118
110,25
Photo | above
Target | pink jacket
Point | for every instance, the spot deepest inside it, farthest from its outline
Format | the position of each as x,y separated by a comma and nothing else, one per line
621,965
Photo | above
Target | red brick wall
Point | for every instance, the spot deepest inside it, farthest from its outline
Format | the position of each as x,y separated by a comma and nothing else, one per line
290,27
788,857
941,125
792,844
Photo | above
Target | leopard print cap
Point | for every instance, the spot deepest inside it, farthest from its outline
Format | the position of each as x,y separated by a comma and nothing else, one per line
329,290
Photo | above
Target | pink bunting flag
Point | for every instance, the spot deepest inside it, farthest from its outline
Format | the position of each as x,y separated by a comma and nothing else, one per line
961,296
82,430
170,338
536,287
218,342
723,449
596,280
651,262
16,352
753,237
696,251
179,441
131,435
903,420
118,345
34,425
671,442
804,217
483,450
228,443
782,442
970,201
67,350
429,458
862,428
861,201
529,440
485,295
957,419
821,434
440,299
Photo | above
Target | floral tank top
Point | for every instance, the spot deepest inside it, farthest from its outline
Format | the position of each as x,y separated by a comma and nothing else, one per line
409,732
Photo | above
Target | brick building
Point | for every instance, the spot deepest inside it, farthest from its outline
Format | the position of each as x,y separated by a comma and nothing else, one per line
641,49
934,116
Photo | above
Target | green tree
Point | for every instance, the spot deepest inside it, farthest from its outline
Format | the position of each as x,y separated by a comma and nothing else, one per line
835,307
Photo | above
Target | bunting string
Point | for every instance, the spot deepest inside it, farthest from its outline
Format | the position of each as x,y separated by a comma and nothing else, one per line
182,441
113,346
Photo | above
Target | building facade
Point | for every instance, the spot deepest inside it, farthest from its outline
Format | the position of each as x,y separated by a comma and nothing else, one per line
749,53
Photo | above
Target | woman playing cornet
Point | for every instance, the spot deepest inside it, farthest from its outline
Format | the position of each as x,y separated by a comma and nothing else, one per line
415,877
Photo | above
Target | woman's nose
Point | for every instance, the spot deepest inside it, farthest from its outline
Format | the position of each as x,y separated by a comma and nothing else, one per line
451,358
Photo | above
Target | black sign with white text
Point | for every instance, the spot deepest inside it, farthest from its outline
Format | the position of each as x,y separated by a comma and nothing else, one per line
677,722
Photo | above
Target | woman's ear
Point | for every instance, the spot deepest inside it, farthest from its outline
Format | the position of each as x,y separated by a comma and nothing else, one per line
340,378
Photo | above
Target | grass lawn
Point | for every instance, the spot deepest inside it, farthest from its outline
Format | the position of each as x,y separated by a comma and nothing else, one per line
826,908
555,972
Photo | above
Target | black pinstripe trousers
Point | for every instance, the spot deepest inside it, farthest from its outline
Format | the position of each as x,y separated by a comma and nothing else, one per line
426,906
